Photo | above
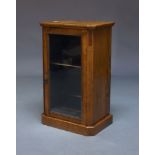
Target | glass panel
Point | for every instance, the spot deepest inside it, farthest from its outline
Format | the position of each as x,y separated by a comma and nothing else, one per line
65,74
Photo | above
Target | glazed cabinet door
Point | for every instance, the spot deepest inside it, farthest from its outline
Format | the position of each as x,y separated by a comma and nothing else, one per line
63,91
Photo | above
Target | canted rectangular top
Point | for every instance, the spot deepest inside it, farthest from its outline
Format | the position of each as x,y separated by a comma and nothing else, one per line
77,24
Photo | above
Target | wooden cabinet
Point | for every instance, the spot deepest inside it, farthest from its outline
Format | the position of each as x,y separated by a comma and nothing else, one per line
76,75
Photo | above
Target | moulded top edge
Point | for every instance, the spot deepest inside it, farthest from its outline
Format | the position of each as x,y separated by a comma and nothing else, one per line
77,24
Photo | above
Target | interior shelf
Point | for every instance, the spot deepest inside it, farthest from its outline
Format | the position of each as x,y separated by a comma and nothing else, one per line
77,96
67,111
66,65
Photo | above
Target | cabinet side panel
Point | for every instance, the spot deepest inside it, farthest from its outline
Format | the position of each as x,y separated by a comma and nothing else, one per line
101,73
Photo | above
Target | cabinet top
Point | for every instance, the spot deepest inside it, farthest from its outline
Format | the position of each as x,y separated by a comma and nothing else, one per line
77,24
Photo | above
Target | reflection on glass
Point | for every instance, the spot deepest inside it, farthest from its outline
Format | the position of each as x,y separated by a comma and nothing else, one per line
65,74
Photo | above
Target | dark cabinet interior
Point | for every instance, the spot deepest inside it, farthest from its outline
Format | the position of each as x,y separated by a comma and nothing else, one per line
65,74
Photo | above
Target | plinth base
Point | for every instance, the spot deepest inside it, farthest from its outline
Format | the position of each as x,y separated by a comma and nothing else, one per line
77,128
